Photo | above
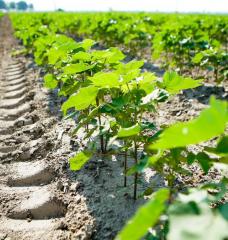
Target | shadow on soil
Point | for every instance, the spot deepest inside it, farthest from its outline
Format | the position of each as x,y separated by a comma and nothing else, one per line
203,93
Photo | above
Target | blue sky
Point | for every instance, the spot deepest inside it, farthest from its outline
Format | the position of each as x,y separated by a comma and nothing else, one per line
133,5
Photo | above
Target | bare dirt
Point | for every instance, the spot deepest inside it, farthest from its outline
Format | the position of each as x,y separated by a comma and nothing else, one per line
40,198
34,192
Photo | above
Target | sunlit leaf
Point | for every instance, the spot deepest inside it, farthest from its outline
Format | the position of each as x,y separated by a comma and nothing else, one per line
129,132
50,81
81,100
77,68
145,217
211,123
173,83
79,160
105,80
81,56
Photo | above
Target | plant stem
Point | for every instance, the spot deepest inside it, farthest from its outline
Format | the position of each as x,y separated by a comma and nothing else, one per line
125,167
136,174
101,136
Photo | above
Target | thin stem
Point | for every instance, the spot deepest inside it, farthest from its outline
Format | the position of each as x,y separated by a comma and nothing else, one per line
125,167
101,136
136,174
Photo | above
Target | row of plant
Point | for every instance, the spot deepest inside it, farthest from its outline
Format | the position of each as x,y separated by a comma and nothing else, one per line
194,46
109,100
189,44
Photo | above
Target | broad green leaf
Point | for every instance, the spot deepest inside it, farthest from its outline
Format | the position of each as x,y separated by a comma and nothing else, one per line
173,83
116,55
87,44
55,55
129,71
147,82
145,218
79,160
198,58
222,147
50,81
77,68
68,46
124,68
81,56
105,79
211,123
81,100
204,161
129,132
111,55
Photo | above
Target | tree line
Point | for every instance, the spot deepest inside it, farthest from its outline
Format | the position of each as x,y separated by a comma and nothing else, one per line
21,6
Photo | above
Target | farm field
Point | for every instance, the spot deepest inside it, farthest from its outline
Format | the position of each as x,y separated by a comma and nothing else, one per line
113,126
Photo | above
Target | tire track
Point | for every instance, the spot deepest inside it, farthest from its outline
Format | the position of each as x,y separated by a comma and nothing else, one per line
39,199
28,203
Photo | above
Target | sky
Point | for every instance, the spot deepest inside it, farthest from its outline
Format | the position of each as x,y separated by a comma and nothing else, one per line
215,6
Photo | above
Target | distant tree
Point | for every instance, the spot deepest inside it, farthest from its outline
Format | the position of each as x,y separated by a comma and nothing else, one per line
30,6
12,5
23,6
59,10
3,5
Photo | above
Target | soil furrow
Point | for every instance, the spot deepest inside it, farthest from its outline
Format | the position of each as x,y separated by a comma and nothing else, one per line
28,200
37,199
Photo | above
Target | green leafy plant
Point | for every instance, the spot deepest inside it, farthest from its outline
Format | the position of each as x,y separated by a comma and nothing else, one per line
109,99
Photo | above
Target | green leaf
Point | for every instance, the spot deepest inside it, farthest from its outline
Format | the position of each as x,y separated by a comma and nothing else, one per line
173,83
105,79
211,123
79,160
147,83
198,58
222,147
143,163
111,55
145,217
191,218
54,55
87,44
115,55
81,56
129,132
50,81
77,68
81,100
204,161
130,66
85,121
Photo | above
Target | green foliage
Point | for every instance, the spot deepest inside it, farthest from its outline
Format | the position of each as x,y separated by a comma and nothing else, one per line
173,83
146,217
211,123
79,160
76,68
81,100
129,132
109,99
191,218
50,81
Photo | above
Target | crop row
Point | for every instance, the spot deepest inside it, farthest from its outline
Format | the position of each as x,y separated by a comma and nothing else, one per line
189,44
109,100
